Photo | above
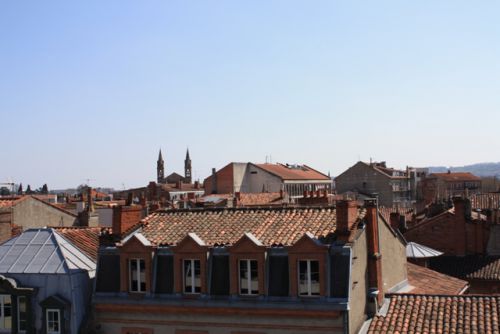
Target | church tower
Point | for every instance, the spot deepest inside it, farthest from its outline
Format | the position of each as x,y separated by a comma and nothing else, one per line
187,169
160,169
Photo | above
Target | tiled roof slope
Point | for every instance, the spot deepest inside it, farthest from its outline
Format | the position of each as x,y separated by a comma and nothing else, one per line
455,176
386,212
427,281
468,267
253,199
85,238
280,226
302,172
485,201
439,314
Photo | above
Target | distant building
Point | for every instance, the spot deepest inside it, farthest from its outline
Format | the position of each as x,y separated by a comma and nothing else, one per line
174,177
394,187
443,186
247,177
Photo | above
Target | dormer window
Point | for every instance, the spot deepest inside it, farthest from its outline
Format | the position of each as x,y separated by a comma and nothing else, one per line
192,276
137,274
309,278
249,277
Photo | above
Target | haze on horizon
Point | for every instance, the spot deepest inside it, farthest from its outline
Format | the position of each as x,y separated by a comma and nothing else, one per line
92,90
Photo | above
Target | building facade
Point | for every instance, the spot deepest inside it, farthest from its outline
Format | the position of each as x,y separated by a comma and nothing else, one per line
393,187
249,271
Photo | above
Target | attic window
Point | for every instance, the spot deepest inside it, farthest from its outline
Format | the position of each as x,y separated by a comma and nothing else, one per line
137,273
192,276
309,278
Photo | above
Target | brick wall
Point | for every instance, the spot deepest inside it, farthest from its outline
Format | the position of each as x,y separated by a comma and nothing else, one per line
124,217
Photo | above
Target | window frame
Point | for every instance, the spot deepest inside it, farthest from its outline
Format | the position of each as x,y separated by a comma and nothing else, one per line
308,278
248,267
193,276
139,281
59,322
19,313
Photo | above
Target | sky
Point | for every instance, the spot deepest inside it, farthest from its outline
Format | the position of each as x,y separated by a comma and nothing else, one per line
93,89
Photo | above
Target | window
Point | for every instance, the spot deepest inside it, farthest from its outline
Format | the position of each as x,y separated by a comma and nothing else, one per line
53,321
249,277
192,276
308,278
21,313
137,275
5,312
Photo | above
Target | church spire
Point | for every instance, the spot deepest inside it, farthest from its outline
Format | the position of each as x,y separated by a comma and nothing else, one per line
160,169
187,168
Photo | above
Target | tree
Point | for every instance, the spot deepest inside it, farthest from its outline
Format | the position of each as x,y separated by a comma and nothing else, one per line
28,190
45,189
20,189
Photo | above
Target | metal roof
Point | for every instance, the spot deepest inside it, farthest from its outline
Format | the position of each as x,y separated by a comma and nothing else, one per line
414,250
42,251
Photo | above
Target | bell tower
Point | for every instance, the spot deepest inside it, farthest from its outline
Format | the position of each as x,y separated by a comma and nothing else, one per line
160,169
187,169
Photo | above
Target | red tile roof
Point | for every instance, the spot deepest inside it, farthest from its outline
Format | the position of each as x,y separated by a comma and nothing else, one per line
260,199
455,176
84,238
485,201
386,212
277,226
290,172
439,314
427,281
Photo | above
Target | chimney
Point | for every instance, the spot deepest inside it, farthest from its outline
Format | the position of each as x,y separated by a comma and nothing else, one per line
179,184
214,181
347,214
196,184
125,217
462,213
281,193
130,199
237,195
394,220
90,202
305,193
375,283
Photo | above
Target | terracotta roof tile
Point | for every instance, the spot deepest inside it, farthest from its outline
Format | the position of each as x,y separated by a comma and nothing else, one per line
301,172
455,176
277,226
427,281
85,238
439,314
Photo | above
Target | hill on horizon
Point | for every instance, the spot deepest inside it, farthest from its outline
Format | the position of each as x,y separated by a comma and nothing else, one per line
482,169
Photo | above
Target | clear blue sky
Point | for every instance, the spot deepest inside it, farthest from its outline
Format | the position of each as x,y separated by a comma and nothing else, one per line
92,89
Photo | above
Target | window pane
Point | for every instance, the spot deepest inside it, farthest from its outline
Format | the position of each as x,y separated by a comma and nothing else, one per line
303,279
134,284
142,265
197,276
21,312
243,277
188,273
255,277
314,278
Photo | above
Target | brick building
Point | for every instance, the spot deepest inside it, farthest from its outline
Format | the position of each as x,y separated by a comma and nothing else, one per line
247,177
443,186
228,271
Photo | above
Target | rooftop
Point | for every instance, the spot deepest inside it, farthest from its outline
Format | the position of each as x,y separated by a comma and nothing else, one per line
294,172
455,176
439,314
276,226
85,238
427,281
42,251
